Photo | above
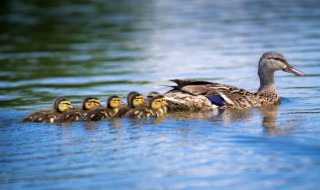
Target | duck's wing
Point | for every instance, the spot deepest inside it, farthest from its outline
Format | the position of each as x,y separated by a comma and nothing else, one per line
140,113
73,114
122,111
38,116
96,114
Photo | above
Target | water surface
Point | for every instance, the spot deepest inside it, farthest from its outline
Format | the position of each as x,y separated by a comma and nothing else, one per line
101,48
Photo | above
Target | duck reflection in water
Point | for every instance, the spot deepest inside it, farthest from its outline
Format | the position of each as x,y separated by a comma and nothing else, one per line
269,118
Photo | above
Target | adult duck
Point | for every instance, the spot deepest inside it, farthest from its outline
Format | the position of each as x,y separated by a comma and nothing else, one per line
203,95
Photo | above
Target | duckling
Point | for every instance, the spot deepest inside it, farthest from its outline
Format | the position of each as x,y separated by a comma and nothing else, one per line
156,108
153,94
76,114
60,106
113,104
134,100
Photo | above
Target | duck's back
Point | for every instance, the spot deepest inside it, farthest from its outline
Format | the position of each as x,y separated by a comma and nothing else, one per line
73,114
140,112
42,116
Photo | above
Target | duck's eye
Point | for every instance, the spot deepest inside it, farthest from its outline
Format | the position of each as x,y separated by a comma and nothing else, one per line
278,59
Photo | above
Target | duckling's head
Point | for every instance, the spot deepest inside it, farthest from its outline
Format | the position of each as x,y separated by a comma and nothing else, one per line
129,97
114,102
90,102
61,104
151,95
136,100
272,61
157,102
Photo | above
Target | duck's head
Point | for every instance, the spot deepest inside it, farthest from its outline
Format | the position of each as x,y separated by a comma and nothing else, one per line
61,104
272,61
90,102
157,102
114,102
136,100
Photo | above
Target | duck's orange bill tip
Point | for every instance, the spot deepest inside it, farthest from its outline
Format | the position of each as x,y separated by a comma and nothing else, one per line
122,103
71,107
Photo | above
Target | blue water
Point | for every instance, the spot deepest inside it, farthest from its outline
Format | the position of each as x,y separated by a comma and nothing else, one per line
76,49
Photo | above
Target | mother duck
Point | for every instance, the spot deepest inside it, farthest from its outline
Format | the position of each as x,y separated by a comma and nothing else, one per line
202,95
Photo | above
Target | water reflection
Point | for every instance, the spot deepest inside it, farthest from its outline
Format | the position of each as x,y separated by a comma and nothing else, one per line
269,116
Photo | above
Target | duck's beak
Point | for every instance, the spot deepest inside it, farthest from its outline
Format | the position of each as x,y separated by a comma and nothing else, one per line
70,107
290,69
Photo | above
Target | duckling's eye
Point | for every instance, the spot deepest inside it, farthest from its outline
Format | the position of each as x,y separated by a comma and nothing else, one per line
66,103
158,101
139,97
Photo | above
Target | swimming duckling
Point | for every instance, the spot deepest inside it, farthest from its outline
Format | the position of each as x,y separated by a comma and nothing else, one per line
60,105
113,104
156,108
134,100
76,114
153,94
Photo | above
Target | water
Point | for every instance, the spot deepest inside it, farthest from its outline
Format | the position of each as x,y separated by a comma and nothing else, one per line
81,48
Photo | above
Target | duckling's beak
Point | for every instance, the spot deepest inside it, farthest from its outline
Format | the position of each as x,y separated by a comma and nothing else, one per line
70,107
290,69
164,104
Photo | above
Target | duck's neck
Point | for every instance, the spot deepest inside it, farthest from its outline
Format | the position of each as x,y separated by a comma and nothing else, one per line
266,82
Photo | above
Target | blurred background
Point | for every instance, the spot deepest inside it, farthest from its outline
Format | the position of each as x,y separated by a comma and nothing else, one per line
76,48
79,48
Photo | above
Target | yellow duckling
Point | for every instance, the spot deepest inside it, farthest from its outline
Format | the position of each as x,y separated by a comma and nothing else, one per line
134,100
156,108
60,105
76,114
113,104
164,100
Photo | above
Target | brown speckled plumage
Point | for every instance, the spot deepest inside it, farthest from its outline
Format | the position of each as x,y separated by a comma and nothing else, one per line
191,94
